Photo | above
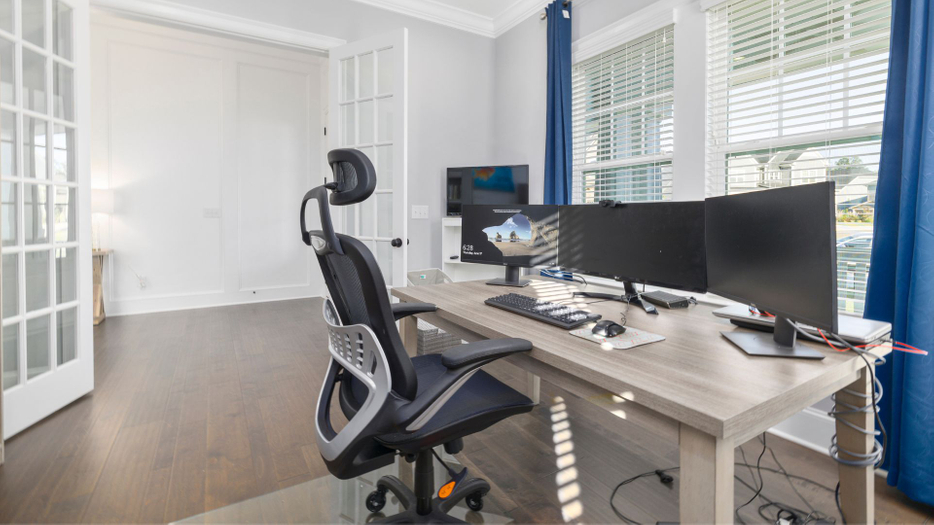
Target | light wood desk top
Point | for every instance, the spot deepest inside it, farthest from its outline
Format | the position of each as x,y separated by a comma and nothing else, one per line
695,376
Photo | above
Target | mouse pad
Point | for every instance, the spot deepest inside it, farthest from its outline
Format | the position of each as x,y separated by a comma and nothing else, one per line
631,338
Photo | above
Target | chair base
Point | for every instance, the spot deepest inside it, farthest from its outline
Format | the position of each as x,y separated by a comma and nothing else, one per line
422,506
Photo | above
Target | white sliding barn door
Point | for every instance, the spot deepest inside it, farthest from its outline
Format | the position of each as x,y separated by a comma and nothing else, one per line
48,355
368,112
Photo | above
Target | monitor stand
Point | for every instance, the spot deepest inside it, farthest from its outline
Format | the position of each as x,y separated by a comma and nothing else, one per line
780,344
631,296
511,279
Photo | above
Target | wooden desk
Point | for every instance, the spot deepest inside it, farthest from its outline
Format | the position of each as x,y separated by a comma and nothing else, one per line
694,386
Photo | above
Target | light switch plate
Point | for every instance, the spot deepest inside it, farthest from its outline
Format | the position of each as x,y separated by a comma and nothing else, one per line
419,212
212,213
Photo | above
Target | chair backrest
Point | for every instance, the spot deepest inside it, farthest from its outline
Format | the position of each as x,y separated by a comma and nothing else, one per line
368,359
353,277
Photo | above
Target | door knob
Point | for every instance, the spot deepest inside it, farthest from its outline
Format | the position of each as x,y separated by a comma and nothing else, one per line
397,242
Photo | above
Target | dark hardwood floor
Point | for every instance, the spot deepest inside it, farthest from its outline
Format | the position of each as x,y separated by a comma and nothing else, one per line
198,409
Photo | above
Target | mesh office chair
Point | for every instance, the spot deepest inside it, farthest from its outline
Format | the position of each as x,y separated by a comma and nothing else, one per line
395,404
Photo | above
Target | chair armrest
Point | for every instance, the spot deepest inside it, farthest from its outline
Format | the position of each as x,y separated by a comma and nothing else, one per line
400,310
461,362
482,352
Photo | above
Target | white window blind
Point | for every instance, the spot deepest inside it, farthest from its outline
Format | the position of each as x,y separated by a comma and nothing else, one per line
796,91
623,121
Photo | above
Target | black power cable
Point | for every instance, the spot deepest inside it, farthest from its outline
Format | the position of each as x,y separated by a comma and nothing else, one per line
794,515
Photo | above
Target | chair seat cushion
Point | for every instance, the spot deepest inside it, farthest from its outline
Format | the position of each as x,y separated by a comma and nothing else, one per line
480,402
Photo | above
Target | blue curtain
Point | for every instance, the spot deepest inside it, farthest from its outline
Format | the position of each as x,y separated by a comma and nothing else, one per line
558,126
901,277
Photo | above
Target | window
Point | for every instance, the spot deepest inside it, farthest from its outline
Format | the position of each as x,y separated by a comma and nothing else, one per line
623,121
796,91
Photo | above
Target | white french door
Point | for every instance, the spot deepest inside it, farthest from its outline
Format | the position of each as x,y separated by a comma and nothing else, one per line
367,111
46,260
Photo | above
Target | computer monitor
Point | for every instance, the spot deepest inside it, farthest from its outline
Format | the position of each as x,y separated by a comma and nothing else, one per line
511,236
487,185
657,243
776,249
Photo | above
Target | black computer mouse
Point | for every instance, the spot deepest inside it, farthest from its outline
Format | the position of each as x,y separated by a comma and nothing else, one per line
607,328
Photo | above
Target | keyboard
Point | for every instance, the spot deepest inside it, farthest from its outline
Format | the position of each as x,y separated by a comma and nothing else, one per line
560,315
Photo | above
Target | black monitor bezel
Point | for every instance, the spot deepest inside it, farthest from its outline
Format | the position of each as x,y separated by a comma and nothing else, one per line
780,312
625,278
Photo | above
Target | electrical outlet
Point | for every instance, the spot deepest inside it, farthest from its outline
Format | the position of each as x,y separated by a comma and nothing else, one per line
419,212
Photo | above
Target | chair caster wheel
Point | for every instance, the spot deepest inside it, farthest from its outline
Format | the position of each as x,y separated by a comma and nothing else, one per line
376,501
475,501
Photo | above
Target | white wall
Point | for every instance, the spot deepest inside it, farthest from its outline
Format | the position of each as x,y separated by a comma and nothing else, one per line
450,94
207,144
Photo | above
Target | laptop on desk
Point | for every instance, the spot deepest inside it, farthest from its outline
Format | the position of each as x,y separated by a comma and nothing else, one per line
852,329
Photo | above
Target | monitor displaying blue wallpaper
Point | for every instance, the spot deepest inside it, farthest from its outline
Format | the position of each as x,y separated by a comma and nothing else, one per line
487,185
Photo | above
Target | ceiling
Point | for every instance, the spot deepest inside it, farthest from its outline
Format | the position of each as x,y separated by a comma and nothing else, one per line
489,18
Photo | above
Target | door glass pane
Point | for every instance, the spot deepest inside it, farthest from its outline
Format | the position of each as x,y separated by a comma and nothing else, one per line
66,275
63,91
384,119
37,280
368,151
348,80
10,356
350,219
36,213
383,167
63,154
35,142
366,122
34,21
10,285
385,60
65,224
384,259
8,144
61,38
7,71
6,15
37,346
66,330
9,215
367,217
348,129
34,88
367,75
384,214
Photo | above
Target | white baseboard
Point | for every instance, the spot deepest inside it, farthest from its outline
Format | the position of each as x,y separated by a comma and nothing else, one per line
173,304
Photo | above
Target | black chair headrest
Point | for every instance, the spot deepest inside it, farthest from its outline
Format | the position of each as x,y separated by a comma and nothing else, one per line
354,176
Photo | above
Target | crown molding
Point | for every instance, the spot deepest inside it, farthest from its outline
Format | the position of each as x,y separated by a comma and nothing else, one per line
432,11
438,13
216,22
640,23
516,13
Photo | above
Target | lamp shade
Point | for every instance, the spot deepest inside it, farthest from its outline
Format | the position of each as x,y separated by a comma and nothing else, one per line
102,201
